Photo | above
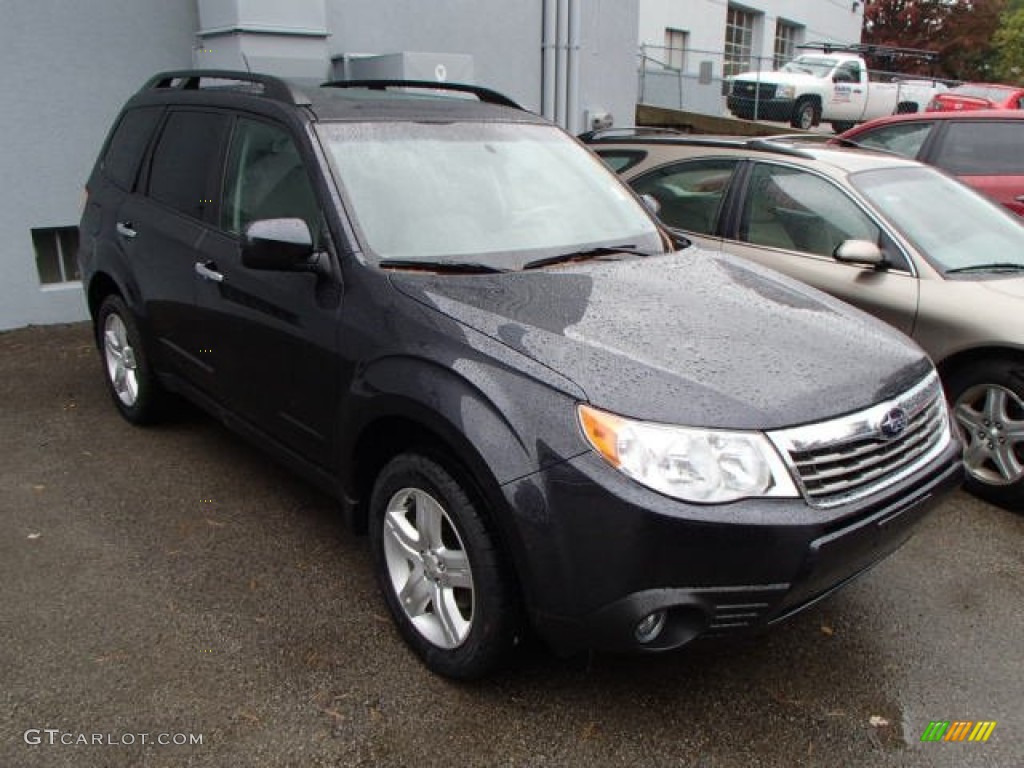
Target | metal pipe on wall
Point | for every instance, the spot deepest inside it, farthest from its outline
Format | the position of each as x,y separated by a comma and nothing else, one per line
562,57
572,98
548,70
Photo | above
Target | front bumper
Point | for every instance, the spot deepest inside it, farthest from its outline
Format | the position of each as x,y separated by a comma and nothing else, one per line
604,552
748,108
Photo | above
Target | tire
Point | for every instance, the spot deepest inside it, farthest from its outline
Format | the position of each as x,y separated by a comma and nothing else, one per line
838,128
133,385
442,576
805,115
987,398
906,108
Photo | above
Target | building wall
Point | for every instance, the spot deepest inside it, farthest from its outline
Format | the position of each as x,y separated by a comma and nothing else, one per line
69,66
831,20
67,69
704,22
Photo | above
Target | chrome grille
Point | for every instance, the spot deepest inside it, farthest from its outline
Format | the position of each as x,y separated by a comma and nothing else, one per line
846,459
750,89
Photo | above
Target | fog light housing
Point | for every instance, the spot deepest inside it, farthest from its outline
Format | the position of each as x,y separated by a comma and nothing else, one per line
650,627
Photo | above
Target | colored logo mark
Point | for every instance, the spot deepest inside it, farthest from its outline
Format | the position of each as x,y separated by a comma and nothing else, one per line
958,730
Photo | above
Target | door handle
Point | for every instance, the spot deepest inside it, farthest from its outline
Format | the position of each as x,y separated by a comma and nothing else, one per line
208,271
1019,198
124,229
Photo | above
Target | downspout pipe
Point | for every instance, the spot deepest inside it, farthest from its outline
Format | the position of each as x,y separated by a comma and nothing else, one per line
562,66
548,72
572,96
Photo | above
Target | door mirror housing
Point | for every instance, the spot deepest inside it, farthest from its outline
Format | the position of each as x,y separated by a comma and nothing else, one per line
859,252
277,244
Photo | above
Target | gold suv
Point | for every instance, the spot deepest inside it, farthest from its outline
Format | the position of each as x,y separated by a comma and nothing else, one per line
900,240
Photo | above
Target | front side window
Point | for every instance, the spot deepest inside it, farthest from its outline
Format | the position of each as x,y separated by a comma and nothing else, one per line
186,163
690,193
500,192
265,179
983,148
902,138
798,211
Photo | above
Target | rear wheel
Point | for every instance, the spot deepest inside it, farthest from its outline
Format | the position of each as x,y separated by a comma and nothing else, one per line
133,385
988,405
442,576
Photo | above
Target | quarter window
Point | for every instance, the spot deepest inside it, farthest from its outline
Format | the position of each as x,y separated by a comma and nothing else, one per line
128,144
186,162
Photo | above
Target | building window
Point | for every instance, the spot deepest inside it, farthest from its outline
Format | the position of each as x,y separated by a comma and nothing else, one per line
739,41
785,42
56,254
675,49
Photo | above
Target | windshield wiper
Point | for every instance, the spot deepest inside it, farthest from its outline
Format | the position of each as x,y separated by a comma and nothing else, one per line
426,265
586,254
996,266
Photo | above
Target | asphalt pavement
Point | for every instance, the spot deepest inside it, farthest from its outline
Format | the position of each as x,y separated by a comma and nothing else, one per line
171,597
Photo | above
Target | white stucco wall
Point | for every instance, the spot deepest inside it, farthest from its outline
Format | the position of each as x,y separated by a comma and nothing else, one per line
67,69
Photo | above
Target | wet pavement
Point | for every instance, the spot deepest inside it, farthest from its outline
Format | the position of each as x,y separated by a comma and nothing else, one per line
173,584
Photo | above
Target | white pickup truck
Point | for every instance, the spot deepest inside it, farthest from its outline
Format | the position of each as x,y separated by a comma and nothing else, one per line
827,87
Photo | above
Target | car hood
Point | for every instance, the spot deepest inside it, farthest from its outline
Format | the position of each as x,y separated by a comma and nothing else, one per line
696,337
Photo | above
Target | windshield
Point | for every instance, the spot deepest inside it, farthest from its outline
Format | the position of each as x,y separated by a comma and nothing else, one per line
950,224
496,193
810,65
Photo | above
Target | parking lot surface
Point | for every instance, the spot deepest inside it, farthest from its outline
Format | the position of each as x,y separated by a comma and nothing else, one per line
171,597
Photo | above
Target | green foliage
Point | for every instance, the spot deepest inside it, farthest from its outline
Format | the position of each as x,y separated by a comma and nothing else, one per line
1008,43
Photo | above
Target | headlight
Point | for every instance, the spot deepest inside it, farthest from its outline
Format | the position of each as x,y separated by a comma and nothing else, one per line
702,465
785,92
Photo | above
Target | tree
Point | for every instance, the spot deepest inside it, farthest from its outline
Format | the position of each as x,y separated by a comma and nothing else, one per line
1009,46
959,31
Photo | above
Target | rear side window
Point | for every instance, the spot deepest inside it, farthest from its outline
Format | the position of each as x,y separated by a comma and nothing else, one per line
983,148
902,138
127,145
186,162
690,194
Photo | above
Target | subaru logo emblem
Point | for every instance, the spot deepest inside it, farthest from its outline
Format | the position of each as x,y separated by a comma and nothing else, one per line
893,423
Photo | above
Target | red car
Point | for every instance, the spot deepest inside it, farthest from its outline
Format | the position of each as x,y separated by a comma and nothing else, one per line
977,96
983,148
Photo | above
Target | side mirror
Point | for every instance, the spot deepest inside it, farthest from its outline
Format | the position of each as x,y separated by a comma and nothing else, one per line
277,244
859,252
652,204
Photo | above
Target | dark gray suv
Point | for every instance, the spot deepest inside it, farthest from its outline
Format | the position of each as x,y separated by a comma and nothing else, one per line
541,407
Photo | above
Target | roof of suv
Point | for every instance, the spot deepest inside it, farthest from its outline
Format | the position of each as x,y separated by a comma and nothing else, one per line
790,147
365,100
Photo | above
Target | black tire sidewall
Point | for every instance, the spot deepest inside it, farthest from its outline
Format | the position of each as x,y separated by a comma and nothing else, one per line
494,626
146,407
1001,373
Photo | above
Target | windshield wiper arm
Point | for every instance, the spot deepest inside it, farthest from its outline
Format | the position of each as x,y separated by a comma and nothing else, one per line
996,266
586,254
426,265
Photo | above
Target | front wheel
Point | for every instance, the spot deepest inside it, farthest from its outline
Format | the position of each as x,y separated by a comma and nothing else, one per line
805,115
988,405
443,579
132,383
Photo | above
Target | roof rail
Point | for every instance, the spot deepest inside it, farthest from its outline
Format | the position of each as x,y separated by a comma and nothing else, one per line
628,130
885,51
192,80
486,95
722,142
